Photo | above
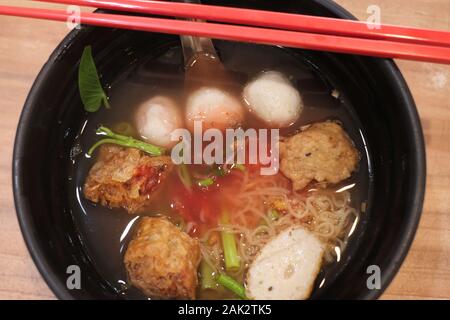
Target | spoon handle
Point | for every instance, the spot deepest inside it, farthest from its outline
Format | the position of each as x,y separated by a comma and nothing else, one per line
193,45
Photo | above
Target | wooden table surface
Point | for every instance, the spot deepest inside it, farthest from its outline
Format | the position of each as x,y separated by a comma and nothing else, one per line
26,44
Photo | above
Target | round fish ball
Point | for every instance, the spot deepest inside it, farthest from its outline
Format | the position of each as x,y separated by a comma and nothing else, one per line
215,108
157,118
273,99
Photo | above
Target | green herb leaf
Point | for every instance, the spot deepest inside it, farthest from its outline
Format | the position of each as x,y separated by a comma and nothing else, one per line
206,182
91,91
218,170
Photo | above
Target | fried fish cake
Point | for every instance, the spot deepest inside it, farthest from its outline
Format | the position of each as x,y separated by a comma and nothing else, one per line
125,177
162,260
322,152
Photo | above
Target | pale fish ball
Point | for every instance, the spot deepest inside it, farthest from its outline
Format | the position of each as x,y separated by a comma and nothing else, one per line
273,99
215,108
157,118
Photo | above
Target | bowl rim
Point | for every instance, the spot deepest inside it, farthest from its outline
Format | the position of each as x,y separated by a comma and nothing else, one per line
415,208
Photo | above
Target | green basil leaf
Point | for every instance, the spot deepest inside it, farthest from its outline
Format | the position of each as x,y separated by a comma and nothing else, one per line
91,91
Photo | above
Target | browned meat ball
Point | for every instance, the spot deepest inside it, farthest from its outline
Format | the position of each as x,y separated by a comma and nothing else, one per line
162,261
125,177
322,152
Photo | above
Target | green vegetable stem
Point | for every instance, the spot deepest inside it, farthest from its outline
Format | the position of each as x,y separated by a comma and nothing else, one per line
232,259
124,141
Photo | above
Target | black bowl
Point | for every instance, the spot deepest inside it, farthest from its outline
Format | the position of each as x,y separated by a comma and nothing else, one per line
52,117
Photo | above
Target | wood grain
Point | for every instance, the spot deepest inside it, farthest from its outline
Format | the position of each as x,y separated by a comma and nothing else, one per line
26,44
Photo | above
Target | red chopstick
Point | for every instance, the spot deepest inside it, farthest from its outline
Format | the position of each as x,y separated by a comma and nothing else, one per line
276,20
378,48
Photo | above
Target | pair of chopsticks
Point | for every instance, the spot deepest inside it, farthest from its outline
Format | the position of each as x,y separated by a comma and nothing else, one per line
265,27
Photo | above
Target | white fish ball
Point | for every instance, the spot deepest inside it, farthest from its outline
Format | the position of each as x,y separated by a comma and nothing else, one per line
215,108
273,99
157,118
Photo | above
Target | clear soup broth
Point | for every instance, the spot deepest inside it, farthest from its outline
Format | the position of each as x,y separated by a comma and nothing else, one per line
106,232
